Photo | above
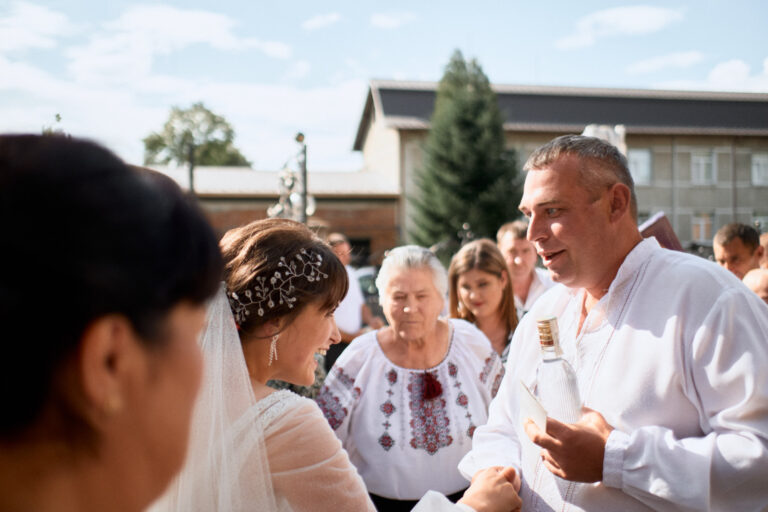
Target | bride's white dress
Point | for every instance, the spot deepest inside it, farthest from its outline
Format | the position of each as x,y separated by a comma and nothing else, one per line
310,470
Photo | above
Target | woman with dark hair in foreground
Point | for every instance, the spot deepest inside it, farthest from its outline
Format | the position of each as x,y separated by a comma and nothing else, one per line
104,272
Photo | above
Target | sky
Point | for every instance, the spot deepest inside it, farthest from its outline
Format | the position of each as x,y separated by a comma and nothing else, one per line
113,70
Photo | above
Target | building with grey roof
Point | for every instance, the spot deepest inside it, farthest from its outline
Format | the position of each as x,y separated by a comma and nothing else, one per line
700,157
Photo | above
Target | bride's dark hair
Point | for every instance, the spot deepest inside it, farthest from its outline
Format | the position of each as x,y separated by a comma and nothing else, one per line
253,252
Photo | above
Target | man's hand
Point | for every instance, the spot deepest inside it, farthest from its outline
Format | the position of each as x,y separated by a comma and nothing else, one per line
573,451
494,490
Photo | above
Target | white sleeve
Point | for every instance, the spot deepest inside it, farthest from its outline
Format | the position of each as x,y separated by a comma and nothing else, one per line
726,378
433,501
309,467
495,443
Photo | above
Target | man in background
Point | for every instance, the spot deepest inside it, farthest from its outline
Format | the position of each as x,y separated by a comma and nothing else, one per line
528,282
353,316
737,248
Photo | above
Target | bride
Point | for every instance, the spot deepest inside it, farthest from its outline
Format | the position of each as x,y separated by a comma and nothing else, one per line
254,448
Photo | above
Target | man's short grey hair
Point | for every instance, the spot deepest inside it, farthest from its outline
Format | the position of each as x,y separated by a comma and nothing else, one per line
603,165
411,257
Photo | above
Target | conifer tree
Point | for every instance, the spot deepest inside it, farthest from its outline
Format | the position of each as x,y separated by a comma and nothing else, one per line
468,176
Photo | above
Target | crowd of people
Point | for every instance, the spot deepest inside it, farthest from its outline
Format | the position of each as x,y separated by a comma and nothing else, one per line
152,366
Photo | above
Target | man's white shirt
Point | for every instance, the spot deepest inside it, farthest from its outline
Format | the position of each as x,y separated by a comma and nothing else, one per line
674,357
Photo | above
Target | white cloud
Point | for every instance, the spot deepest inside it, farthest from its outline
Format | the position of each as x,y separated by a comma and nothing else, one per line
26,25
300,69
114,95
730,75
125,49
632,20
392,19
274,49
120,116
327,115
320,21
672,60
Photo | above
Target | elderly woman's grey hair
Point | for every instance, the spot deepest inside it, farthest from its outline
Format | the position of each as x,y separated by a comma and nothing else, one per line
411,257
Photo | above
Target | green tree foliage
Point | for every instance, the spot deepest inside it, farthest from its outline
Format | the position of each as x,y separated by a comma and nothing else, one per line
55,129
468,176
210,133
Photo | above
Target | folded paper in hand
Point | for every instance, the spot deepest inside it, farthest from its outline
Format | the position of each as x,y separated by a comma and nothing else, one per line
530,407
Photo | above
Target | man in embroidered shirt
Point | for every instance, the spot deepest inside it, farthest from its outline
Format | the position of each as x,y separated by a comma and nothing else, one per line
737,248
528,282
668,348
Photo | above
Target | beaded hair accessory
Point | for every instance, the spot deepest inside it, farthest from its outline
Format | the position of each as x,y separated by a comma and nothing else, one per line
279,289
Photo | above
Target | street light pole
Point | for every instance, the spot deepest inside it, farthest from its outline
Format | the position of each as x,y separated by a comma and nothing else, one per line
303,213
192,168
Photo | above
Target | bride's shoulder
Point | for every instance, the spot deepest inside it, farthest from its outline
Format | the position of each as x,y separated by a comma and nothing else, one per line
285,406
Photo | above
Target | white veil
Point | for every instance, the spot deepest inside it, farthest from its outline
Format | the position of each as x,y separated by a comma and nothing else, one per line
226,467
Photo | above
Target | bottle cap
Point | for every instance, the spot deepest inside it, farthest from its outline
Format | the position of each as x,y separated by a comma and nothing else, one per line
548,333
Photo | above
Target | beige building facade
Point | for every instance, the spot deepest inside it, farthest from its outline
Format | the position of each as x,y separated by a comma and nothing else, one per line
700,157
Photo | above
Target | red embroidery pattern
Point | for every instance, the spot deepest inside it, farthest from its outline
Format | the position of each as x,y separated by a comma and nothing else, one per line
497,383
429,426
489,362
461,399
330,404
331,407
347,380
388,408
386,442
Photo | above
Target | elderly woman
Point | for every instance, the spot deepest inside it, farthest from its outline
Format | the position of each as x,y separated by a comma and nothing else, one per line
405,399
104,273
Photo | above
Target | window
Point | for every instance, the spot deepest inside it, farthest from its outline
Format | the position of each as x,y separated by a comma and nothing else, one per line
701,169
640,165
760,168
701,227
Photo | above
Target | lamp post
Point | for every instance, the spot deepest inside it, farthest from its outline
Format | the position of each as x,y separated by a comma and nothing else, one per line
303,163
294,201
192,168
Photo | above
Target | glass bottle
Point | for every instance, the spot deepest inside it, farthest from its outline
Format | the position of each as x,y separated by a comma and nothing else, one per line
557,385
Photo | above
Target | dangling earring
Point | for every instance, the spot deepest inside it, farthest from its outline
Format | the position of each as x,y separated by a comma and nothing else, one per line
273,349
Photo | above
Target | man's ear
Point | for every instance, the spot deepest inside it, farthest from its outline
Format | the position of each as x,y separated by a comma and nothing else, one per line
619,198
107,355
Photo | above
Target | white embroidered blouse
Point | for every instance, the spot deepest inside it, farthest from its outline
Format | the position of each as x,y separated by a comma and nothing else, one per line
403,443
